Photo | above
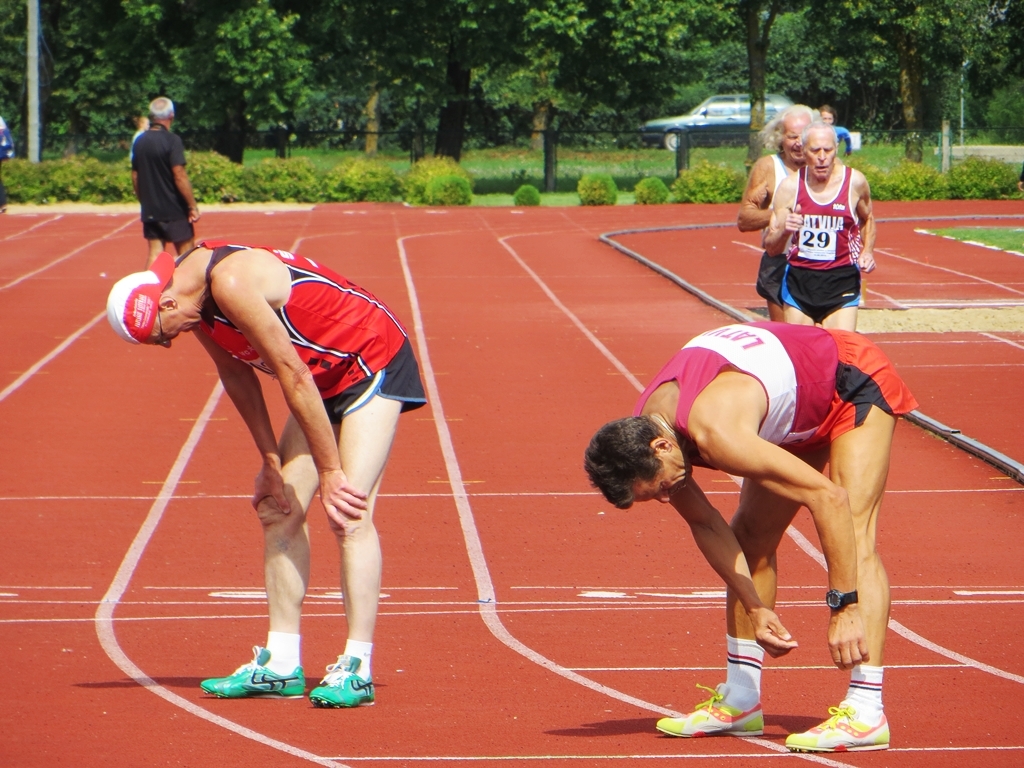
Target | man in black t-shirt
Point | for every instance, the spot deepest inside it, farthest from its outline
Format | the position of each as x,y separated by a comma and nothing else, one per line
158,175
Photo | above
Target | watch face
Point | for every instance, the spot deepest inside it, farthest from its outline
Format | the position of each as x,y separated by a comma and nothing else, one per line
833,598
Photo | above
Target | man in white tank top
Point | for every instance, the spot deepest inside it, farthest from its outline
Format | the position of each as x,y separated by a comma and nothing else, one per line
783,135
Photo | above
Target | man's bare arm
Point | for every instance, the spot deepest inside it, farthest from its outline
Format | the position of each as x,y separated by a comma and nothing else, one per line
866,216
181,181
718,544
755,206
784,222
723,422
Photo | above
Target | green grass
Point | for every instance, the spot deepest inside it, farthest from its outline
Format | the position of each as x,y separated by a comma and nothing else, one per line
1006,238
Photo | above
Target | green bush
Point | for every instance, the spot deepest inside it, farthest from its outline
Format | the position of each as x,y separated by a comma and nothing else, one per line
650,191
415,181
294,180
75,179
597,189
26,182
215,179
448,190
707,183
978,178
526,195
909,181
362,180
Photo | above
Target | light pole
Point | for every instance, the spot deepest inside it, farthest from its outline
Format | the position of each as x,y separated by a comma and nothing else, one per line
32,78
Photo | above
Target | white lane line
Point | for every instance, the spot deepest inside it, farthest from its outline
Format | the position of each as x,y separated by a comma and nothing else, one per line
950,271
819,558
769,745
474,547
996,337
804,544
37,225
65,257
681,756
572,317
104,614
16,384
477,494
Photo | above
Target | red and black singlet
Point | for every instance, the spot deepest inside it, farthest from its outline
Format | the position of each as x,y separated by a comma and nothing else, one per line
341,331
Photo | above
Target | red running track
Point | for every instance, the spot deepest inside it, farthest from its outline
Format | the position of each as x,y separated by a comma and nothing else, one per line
524,620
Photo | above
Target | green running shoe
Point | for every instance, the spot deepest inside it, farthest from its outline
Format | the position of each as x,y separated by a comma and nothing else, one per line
254,679
342,686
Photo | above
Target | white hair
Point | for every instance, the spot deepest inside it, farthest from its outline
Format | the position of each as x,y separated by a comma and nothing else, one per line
161,108
818,125
775,131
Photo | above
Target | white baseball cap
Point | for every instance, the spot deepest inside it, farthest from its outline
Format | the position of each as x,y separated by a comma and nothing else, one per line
133,302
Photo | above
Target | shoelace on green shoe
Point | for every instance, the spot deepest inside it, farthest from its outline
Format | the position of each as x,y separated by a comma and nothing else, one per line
837,714
715,698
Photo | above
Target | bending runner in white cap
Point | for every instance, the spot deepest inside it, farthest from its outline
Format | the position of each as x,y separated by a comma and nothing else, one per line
346,369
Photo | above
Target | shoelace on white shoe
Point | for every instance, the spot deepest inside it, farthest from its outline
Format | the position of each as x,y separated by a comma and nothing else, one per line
337,672
254,664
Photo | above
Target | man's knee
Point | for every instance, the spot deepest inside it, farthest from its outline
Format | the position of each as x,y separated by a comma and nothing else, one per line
271,515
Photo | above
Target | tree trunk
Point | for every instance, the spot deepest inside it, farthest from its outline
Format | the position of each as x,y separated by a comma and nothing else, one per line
910,91
451,125
757,55
543,114
372,112
230,140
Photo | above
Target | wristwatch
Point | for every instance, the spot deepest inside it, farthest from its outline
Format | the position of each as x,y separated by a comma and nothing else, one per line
835,599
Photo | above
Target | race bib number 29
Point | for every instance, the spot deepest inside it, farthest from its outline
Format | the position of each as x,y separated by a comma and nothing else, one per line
817,244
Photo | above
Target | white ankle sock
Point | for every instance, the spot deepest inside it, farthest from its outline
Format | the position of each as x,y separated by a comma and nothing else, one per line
743,673
865,693
284,652
363,651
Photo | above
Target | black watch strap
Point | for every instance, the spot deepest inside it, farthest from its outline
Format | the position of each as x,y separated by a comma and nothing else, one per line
835,599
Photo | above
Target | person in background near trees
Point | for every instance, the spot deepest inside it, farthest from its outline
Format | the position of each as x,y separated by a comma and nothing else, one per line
828,117
773,403
782,136
347,371
822,221
6,153
1020,184
141,125
158,176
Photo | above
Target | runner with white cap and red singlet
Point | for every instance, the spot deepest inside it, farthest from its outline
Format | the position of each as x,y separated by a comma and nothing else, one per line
346,370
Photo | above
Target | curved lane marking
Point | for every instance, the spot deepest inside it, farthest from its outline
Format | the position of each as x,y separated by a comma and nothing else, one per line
474,548
105,612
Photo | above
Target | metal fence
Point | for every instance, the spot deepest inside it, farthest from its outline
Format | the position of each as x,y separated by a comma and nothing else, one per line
556,159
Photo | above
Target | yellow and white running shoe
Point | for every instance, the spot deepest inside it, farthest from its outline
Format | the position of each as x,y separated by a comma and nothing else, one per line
712,718
841,733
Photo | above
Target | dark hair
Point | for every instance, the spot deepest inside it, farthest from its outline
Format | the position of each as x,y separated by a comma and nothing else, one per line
830,110
619,454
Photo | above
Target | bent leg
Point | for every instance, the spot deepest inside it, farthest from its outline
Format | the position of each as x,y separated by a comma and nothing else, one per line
759,524
286,537
859,463
364,444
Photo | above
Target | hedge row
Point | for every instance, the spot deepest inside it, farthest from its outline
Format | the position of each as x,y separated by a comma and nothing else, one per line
974,178
442,181
215,179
